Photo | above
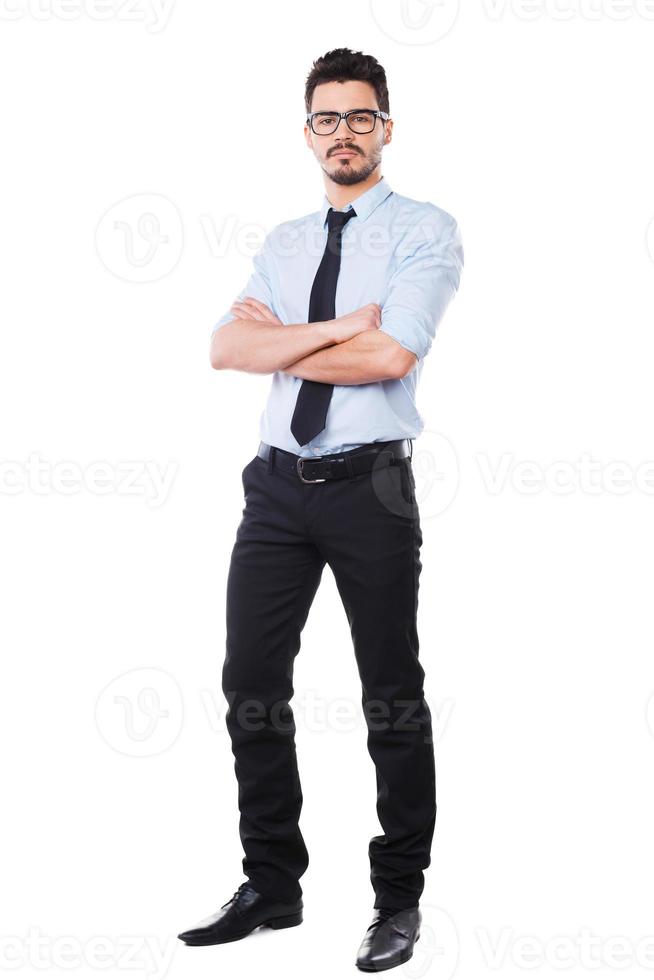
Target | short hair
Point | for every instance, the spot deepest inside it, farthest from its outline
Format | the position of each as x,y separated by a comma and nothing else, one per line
344,65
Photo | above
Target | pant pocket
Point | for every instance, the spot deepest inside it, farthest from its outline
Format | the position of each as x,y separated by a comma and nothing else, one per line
246,468
408,481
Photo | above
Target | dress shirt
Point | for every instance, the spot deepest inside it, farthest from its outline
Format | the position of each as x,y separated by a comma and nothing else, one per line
405,255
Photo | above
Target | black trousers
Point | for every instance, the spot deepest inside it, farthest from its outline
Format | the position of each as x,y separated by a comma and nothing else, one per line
367,529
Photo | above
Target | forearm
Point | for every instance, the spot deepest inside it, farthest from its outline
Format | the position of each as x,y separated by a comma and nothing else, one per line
262,348
363,359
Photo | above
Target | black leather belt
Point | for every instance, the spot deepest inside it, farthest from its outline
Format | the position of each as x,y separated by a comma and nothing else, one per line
336,466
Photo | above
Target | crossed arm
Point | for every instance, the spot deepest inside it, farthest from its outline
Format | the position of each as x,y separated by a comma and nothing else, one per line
371,355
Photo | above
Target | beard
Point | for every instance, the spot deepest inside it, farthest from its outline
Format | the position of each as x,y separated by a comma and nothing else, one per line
347,172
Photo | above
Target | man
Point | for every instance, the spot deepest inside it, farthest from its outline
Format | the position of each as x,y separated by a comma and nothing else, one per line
341,308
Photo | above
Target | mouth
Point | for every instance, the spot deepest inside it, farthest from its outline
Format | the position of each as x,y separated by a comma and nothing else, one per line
344,154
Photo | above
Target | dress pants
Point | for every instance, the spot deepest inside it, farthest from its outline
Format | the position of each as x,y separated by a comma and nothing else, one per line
367,528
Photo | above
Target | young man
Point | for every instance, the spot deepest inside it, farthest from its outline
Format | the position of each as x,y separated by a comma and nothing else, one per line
341,308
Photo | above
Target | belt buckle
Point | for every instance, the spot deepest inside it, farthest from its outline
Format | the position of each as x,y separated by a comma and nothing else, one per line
298,467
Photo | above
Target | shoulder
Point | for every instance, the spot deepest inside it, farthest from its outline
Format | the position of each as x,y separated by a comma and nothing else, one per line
424,220
294,226
428,235
286,233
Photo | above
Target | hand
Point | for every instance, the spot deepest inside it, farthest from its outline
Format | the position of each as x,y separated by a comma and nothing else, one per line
368,317
252,309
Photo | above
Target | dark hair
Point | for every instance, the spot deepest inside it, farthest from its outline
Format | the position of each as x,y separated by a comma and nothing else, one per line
343,65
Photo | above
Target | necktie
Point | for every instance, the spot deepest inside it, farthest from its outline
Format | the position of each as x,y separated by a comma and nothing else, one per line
310,414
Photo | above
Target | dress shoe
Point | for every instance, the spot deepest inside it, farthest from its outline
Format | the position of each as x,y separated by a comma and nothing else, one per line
390,939
244,912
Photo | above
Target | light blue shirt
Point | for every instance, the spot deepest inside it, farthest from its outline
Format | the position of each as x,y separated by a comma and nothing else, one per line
405,255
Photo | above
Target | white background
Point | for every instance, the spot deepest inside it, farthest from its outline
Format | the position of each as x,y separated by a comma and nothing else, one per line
531,123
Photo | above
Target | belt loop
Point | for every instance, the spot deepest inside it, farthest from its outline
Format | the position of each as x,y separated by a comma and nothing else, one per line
271,458
410,449
350,467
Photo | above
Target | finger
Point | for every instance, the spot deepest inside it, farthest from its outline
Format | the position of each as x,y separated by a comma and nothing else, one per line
247,311
244,304
262,308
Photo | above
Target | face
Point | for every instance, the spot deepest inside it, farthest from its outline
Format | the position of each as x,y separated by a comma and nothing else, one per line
363,150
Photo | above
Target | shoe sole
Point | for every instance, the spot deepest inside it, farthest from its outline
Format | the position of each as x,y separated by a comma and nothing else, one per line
389,966
280,922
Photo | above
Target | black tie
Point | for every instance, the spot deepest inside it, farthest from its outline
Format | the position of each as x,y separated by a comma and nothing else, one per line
310,415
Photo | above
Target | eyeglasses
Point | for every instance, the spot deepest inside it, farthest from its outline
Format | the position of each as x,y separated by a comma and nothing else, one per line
325,123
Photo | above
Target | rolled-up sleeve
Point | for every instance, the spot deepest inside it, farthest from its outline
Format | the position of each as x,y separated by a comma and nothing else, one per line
259,285
422,287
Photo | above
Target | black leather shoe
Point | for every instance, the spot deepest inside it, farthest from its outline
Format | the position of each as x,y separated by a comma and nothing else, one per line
244,912
390,939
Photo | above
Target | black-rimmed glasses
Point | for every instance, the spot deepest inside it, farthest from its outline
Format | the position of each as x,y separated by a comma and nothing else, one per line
324,123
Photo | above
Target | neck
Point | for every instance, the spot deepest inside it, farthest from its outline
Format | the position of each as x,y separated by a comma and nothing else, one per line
340,195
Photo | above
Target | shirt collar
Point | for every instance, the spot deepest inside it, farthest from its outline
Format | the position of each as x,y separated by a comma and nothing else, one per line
364,205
